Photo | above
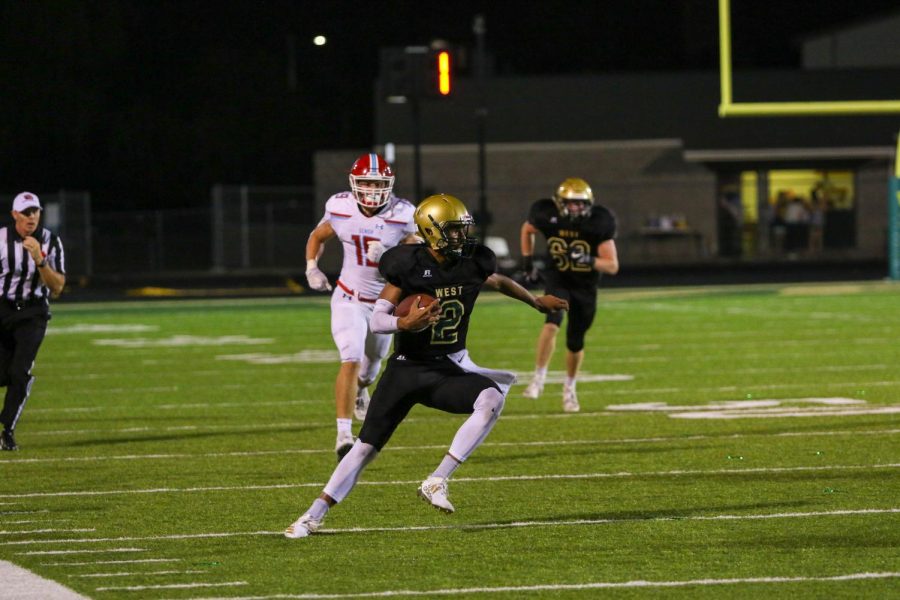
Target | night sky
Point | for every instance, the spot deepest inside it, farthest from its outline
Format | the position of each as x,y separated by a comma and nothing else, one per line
148,103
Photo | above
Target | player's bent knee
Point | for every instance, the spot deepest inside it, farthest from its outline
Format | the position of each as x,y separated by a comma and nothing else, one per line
575,346
490,399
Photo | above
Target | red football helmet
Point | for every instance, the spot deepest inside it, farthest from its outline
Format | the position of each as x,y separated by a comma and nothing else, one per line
371,180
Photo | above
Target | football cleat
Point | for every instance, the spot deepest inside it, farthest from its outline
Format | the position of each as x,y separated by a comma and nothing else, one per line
303,527
7,440
570,400
362,404
342,446
434,491
534,388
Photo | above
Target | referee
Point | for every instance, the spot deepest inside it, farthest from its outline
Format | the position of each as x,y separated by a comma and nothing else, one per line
32,268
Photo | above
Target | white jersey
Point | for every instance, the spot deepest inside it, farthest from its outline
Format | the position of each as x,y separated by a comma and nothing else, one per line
355,230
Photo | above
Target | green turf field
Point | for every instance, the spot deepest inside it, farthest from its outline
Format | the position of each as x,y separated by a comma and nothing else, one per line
733,442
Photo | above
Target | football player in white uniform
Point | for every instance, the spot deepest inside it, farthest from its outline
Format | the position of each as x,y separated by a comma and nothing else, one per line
367,220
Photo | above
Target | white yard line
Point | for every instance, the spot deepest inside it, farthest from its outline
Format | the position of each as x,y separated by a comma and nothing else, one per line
22,584
544,477
773,413
169,586
139,573
506,417
489,526
578,586
110,562
45,531
42,552
751,388
23,512
35,521
182,456
855,385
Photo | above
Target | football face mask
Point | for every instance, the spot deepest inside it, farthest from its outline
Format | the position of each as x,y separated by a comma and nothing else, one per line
444,223
371,181
574,199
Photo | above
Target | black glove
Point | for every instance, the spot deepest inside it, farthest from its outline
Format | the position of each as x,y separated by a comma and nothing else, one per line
532,276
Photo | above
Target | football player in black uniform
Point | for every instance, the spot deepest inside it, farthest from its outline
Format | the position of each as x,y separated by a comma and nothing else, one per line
581,243
430,364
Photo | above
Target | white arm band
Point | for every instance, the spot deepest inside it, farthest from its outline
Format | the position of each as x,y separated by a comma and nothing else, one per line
383,321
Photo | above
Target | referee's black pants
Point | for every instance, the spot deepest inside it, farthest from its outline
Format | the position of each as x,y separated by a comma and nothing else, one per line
19,345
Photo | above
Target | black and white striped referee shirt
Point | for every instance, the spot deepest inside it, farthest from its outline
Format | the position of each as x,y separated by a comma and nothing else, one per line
19,275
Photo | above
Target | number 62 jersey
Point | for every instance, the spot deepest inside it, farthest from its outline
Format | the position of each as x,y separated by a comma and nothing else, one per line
572,245
355,230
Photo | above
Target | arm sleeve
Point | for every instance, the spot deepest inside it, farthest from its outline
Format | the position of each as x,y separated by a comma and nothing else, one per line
57,255
383,320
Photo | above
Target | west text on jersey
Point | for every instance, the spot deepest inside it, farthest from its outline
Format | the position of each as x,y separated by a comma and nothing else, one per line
446,292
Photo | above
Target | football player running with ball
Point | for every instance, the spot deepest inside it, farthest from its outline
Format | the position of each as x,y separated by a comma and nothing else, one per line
367,220
581,243
430,364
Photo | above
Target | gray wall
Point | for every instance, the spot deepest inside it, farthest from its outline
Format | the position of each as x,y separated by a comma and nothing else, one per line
633,178
636,179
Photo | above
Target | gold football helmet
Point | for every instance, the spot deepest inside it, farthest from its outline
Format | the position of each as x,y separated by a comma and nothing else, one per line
443,223
574,198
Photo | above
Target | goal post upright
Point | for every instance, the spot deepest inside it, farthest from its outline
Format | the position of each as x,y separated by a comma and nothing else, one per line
894,218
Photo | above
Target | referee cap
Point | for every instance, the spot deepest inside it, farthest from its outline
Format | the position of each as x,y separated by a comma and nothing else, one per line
26,200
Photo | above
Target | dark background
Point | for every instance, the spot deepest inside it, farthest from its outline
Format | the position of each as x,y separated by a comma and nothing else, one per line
146,104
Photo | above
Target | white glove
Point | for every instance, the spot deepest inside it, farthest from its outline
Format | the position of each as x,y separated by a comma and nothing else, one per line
316,278
375,250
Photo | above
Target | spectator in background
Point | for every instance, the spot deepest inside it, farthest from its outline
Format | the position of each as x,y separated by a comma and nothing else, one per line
367,220
32,267
817,213
796,219
731,222
777,224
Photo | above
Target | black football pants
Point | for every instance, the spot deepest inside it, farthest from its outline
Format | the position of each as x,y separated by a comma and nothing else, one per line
19,346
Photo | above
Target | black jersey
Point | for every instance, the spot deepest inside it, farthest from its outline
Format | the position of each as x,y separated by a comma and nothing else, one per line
413,269
572,245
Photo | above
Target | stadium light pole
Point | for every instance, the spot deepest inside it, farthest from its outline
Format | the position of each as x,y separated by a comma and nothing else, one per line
479,27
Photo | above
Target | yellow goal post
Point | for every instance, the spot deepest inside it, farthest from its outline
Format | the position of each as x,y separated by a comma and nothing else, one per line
729,108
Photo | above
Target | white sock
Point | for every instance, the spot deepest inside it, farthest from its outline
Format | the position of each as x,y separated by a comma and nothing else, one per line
318,510
540,373
446,468
344,427
570,383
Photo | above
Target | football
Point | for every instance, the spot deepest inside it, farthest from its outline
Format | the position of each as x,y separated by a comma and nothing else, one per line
406,304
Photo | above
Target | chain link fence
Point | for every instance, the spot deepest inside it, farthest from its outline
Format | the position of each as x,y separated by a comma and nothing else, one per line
260,227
